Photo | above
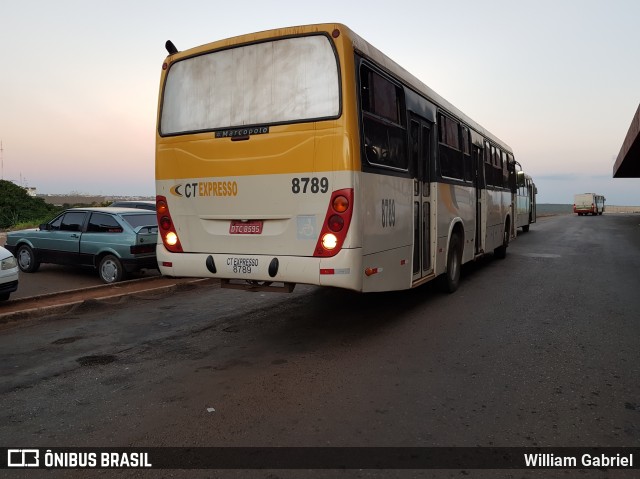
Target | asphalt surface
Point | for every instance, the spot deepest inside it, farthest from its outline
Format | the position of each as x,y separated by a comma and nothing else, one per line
539,349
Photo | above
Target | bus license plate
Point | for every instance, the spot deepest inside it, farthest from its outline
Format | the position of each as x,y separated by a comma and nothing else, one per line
245,228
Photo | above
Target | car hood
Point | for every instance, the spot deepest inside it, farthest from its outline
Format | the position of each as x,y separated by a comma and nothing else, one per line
4,253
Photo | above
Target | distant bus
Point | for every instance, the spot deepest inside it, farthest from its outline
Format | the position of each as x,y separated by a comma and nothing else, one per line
525,199
305,155
588,204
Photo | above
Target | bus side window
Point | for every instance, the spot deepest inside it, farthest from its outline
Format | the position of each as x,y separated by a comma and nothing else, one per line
491,165
382,120
497,164
466,154
449,152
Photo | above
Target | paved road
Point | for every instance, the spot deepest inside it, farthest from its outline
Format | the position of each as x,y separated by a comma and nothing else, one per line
540,349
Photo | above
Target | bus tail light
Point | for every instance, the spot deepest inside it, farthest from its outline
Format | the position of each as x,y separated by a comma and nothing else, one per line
167,229
336,224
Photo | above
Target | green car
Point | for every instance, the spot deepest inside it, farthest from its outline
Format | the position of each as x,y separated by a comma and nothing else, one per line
115,241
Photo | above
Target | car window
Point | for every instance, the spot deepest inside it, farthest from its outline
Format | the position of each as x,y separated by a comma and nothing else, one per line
55,224
73,221
141,220
102,223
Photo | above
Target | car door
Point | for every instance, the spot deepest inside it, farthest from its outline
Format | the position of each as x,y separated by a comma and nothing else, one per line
60,242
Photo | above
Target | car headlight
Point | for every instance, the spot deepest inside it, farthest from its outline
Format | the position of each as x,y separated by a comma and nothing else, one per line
8,263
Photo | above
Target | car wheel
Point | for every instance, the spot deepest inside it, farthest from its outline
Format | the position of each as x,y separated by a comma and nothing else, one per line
4,296
27,261
451,278
110,269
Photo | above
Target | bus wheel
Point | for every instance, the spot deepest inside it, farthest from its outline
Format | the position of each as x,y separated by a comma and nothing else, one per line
501,251
450,280
525,229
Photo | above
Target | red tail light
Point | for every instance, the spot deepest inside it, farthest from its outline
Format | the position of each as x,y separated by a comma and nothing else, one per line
167,229
336,224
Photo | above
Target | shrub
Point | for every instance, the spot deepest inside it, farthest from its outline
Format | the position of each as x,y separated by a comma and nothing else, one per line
17,207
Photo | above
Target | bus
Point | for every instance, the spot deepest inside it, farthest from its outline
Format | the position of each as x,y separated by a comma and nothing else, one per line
304,155
588,204
524,200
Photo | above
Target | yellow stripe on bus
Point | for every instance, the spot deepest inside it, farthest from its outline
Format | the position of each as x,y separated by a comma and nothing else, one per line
278,152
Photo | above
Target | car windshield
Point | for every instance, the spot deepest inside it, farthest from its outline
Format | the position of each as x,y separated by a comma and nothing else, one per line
136,220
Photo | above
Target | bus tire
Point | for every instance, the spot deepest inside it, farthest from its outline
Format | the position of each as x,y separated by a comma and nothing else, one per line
111,269
27,261
501,251
450,280
525,229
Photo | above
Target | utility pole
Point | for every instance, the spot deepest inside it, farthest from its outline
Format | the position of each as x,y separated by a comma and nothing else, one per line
1,162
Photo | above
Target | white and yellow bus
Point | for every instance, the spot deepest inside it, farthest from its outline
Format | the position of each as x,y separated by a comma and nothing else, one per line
305,155
525,200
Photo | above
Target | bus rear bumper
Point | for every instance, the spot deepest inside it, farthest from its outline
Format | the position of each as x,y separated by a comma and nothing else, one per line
343,270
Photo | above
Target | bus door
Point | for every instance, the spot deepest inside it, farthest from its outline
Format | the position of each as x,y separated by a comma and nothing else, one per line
478,165
420,131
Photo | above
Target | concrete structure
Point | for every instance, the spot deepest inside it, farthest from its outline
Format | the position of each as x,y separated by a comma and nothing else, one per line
627,164
621,209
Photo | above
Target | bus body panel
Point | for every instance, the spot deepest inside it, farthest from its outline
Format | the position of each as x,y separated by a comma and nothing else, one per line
456,205
498,212
390,270
291,210
387,230
342,270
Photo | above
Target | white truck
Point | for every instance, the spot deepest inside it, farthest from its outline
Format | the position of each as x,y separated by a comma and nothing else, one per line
588,203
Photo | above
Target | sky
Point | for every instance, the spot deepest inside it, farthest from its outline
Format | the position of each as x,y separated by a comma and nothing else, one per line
557,80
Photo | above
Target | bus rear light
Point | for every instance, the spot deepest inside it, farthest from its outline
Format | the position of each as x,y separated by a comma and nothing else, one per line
168,231
340,204
336,224
171,238
165,223
161,206
167,264
329,241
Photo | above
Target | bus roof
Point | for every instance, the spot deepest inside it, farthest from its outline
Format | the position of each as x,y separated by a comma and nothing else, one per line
360,45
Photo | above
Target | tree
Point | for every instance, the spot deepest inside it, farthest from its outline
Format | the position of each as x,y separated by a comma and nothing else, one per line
17,206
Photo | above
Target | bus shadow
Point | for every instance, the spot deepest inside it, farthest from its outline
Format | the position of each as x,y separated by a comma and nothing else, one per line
328,316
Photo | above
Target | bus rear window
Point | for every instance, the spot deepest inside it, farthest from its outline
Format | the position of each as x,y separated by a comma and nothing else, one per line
289,80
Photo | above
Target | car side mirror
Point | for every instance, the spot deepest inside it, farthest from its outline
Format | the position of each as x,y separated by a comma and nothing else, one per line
43,226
